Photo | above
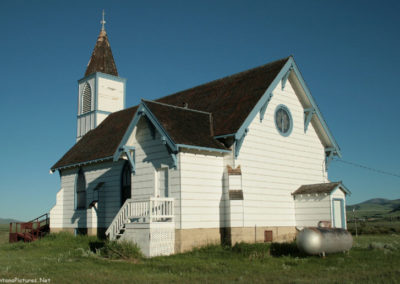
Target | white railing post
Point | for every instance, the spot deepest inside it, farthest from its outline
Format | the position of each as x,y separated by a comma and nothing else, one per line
151,210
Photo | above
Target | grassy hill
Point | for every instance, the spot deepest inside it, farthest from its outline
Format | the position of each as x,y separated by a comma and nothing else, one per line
7,221
379,208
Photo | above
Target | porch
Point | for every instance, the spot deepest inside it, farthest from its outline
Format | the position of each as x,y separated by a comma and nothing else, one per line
149,223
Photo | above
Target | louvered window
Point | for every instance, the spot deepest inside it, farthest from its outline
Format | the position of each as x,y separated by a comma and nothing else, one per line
86,99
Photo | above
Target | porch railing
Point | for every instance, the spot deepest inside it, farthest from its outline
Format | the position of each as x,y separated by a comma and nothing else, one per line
142,211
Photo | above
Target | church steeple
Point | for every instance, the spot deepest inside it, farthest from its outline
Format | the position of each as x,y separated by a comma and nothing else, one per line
101,91
102,59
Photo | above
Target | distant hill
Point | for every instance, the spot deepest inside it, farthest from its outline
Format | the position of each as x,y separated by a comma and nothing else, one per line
375,208
7,221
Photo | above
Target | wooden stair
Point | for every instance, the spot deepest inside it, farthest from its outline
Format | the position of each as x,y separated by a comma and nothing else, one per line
29,231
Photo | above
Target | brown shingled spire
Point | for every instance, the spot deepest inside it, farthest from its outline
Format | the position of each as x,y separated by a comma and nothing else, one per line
102,59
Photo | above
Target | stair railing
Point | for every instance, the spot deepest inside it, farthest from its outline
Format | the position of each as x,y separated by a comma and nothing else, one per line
141,211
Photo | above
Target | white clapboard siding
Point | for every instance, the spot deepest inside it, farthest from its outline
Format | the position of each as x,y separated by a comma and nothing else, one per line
110,95
151,154
312,209
274,166
57,212
202,190
109,194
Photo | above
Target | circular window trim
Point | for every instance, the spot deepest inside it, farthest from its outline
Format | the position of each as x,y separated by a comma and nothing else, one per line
285,108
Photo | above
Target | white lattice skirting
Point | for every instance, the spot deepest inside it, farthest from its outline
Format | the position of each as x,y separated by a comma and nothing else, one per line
154,239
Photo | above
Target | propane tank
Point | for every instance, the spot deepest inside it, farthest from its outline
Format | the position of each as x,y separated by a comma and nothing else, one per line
314,240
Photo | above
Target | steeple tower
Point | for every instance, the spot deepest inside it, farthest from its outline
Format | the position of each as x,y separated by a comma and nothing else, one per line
101,91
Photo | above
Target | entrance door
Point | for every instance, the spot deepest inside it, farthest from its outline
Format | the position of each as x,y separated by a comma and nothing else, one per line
126,183
338,213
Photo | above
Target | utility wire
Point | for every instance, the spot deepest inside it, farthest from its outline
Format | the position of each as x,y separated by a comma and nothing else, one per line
367,168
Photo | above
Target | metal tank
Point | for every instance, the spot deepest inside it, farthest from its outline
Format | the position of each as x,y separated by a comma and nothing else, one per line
315,240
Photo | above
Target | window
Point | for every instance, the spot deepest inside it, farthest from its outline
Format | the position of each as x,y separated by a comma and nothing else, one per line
86,99
80,190
162,182
126,183
283,120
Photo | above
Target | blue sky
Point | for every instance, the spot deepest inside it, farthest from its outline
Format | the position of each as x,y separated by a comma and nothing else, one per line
347,52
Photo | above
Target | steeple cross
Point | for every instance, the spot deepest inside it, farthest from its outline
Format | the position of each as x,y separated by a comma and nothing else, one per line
102,22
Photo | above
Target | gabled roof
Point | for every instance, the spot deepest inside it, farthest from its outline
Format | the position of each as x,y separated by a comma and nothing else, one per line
102,59
320,188
197,115
185,126
229,99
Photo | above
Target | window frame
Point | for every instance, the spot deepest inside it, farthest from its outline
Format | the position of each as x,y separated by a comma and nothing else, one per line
286,109
79,192
86,86
126,165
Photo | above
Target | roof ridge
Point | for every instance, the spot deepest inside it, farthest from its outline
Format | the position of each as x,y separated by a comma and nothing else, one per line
227,77
207,83
183,108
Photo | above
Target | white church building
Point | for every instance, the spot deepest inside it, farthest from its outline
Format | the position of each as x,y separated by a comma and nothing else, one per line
242,158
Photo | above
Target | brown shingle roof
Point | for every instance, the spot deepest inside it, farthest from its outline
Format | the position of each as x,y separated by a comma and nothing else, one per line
101,142
102,59
316,188
185,126
227,101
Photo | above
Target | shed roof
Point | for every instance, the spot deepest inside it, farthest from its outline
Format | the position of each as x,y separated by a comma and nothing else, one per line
320,188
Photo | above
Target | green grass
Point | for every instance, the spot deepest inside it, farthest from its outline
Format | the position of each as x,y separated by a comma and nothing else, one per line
4,229
64,258
381,226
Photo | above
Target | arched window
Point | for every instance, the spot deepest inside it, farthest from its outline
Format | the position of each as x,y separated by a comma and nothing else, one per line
126,183
86,98
80,190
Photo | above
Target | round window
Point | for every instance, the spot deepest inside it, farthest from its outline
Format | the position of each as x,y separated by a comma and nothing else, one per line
283,120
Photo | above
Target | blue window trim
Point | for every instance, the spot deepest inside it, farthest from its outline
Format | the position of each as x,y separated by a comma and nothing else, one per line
290,67
342,215
285,108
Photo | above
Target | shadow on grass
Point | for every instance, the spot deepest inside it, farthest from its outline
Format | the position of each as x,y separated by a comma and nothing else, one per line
272,249
286,249
96,245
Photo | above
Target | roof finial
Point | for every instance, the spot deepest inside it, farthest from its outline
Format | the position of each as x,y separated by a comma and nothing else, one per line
103,22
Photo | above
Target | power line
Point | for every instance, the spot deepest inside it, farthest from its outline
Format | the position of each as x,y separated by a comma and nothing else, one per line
368,168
